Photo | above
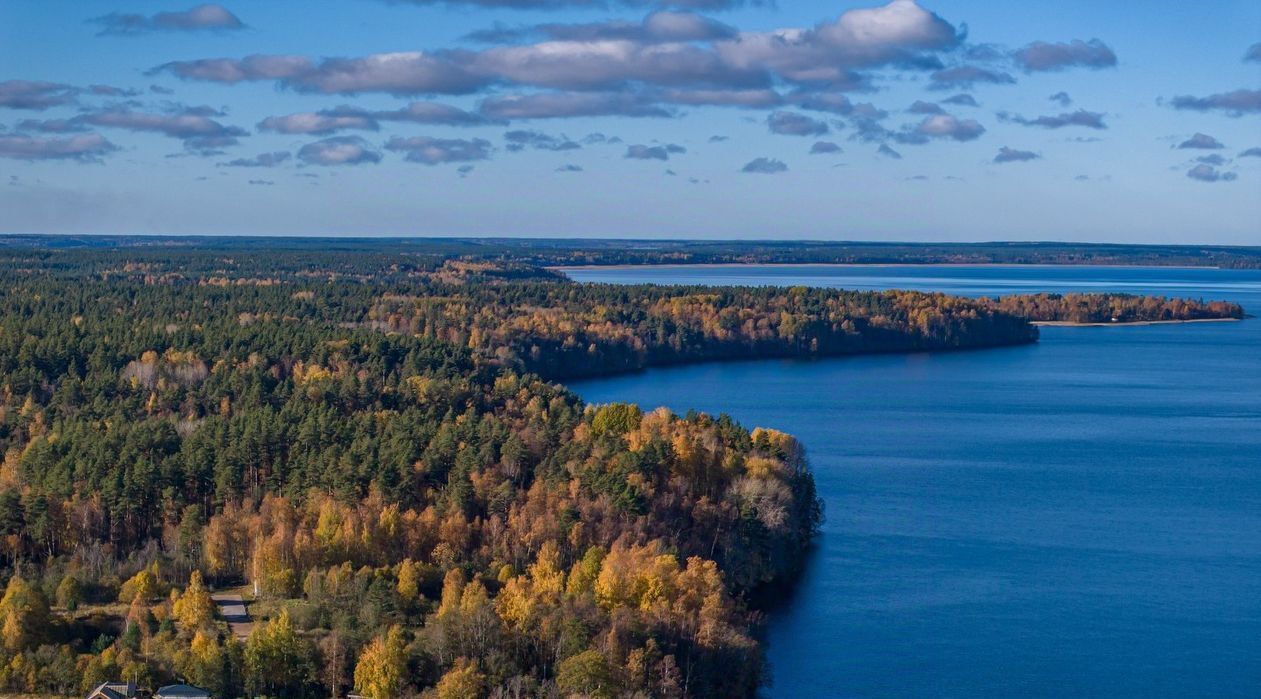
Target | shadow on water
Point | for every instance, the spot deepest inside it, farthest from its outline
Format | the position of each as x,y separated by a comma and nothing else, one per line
779,596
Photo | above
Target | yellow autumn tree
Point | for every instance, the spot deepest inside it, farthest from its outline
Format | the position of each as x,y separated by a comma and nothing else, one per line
381,672
409,580
194,609
23,615
143,584
452,590
203,664
518,601
583,575
276,657
636,576
462,681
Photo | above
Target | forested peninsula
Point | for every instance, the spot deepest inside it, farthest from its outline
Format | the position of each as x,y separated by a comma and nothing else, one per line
370,446
1088,309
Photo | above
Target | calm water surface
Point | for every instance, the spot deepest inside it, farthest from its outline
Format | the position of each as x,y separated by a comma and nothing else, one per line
1080,517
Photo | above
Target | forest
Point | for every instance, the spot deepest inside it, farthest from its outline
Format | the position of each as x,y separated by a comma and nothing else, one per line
1113,308
603,251
371,446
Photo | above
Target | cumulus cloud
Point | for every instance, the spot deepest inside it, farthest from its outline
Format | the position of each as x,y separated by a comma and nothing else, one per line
607,64
1081,117
1061,98
672,50
422,113
863,116
520,140
328,121
1044,56
922,107
403,73
831,102
261,160
338,150
192,125
1212,159
1254,53
207,17
899,33
967,76
85,148
662,152
791,124
231,71
657,27
1254,152
35,95
824,147
708,5
573,65
435,151
52,125
751,99
112,91
947,126
597,138
1207,173
764,166
1201,141
1011,155
962,99
1234,104
316,124
550,105
888,152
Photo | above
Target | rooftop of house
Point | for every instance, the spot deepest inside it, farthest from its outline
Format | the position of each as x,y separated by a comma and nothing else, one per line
114,690
180,691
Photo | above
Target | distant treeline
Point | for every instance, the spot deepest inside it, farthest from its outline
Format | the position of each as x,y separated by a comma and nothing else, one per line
579,251
1113,308
811,252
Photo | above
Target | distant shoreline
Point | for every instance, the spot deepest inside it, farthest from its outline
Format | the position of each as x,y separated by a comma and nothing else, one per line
685,265
1071,324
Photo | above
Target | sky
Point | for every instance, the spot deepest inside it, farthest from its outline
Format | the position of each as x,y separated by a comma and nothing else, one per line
936,120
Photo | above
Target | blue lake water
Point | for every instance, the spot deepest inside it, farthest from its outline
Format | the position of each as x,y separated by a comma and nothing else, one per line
1079,517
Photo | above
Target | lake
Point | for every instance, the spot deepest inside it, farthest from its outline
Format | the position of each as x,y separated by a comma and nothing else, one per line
1079,517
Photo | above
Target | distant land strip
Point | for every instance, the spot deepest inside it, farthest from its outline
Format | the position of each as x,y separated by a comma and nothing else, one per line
607,251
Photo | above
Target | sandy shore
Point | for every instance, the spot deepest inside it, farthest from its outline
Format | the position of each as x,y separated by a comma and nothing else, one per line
1069,324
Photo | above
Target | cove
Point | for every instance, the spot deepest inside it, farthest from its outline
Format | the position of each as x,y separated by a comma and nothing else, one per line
1079,517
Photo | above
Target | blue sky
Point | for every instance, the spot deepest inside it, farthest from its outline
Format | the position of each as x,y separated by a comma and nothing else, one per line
695,118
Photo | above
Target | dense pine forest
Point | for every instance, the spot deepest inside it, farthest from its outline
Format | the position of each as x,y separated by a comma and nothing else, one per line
370,444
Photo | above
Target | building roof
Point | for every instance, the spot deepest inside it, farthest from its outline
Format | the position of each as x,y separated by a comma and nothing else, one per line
181,691
113,690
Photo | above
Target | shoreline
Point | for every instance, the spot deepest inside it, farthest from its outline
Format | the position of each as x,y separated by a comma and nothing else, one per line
661,265
1121,324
